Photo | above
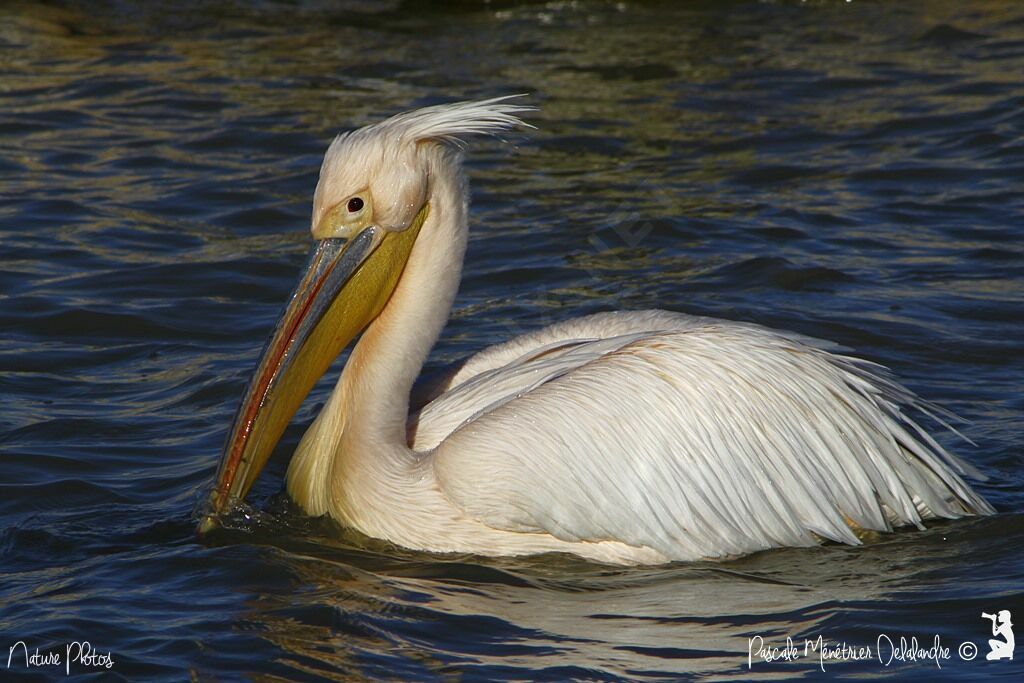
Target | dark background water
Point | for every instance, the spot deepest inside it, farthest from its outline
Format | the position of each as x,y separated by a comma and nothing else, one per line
852,171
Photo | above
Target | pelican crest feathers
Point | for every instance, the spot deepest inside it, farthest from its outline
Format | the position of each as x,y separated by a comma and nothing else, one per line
447,123
388,155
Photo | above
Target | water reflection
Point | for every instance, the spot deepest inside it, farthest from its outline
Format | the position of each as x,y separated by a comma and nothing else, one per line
361,607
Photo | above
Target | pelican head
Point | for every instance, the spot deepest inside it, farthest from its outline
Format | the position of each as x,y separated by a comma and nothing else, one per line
371,201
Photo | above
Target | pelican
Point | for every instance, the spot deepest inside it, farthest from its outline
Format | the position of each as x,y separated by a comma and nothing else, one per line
631,437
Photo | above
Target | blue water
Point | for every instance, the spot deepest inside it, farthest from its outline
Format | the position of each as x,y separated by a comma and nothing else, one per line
852,171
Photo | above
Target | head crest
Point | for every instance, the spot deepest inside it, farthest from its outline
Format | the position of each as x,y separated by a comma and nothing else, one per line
449,122
384,154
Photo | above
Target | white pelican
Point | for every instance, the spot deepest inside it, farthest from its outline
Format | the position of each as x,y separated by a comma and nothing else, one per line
627,437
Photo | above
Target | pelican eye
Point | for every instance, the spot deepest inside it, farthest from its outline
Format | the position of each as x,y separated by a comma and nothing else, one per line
355,205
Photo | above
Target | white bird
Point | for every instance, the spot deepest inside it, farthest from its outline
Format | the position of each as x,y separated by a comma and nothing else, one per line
626,437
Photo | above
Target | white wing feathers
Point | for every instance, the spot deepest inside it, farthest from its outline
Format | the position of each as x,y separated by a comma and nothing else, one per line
692,437
493,387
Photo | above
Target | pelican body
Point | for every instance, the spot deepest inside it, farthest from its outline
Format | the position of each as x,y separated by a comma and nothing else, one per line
629,437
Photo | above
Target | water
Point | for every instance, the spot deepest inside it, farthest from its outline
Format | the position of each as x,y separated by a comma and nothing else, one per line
851,171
